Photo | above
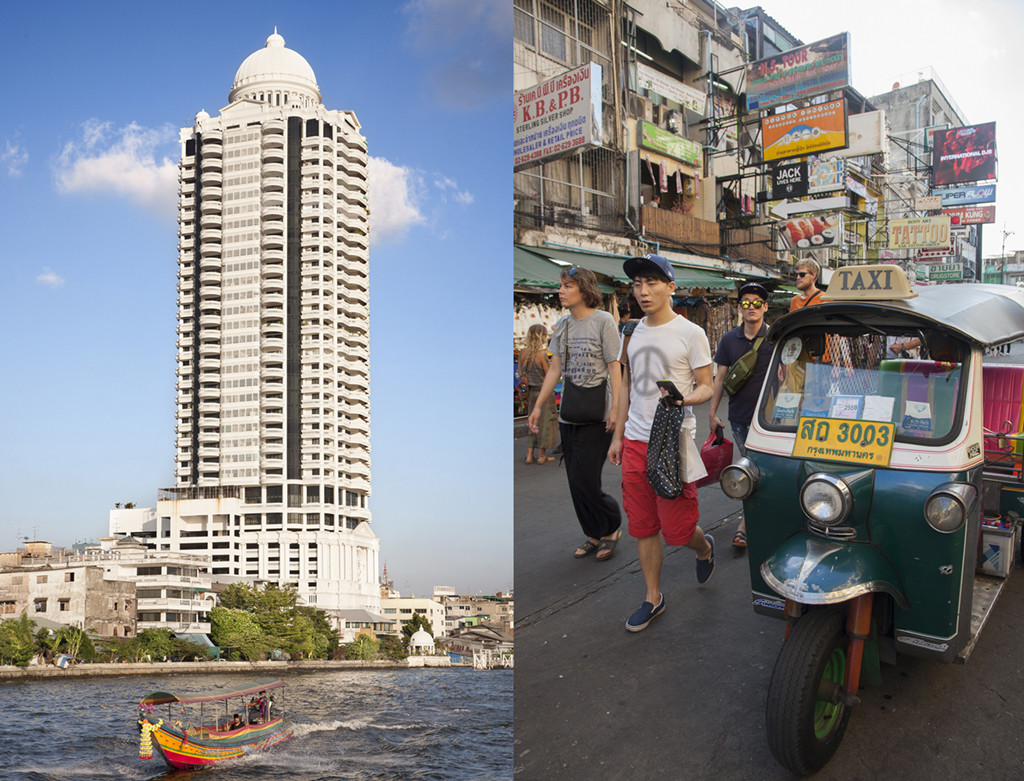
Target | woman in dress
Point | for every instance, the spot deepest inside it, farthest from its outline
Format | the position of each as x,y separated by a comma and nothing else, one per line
533,366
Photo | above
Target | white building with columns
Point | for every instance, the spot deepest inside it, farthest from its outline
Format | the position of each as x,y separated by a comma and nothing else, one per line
272,465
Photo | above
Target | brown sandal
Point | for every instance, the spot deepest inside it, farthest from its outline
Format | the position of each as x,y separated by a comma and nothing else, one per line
587,547
607,547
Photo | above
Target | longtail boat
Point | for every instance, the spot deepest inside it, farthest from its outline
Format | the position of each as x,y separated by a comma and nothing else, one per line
193,732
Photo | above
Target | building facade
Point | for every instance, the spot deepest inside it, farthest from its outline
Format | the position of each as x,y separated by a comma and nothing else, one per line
272,465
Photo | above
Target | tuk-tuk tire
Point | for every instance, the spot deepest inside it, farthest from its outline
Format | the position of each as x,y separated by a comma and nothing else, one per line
804,733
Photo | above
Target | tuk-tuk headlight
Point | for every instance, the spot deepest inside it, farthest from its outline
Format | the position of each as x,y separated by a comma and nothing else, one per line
740,480
826,499
947,507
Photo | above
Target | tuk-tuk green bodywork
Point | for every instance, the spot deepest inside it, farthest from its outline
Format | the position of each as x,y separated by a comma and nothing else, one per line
927,573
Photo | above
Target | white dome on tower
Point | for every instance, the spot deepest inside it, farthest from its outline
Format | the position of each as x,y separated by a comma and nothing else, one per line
275,68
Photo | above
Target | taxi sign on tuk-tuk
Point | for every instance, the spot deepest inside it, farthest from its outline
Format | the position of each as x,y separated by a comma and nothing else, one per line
869,283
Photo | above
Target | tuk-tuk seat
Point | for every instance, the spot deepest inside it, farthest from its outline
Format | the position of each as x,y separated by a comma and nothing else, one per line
1003,411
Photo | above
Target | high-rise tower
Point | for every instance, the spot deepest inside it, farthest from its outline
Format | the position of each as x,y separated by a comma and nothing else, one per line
273,406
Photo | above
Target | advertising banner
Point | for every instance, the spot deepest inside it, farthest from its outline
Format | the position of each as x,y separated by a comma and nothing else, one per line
928,203
940,272
964,154
919,233
557,117
811,232
825,175
804,131
973,215
655,81
652,137
799,73
964,196
789,180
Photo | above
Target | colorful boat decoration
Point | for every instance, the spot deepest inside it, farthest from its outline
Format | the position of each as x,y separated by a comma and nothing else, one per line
194,732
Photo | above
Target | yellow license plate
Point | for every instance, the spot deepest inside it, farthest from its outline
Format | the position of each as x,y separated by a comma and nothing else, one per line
858,441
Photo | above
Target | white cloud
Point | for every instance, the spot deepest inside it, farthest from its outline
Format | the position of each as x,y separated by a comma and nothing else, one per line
49,278
395,196
464,198
14,157
123,162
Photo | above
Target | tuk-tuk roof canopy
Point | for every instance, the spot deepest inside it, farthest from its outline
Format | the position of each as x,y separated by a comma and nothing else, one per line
160,697
985,314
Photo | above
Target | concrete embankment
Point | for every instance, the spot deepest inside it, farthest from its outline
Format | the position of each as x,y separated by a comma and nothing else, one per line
9,672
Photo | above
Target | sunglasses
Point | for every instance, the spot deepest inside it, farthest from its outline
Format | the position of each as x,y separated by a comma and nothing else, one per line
802,273
756,304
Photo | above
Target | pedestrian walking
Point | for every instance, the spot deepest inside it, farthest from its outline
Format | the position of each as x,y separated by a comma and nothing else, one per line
807,273
663,345
584,348
744,338
533,367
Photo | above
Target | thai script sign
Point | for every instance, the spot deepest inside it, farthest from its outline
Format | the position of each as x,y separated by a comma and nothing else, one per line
973,215
964,196
834,439
964,154
557,117
805,130
657,140
799,73
939,272
664,85
922,232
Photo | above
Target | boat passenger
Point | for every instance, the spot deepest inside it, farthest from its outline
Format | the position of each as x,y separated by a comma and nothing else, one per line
236,722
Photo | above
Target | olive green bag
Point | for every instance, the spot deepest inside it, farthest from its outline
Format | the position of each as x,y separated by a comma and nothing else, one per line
742,370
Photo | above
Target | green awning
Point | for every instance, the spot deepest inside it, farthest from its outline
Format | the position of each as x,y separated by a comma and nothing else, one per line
533,270
687,277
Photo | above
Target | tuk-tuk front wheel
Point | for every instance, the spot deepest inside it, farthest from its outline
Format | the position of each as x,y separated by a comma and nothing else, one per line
806,716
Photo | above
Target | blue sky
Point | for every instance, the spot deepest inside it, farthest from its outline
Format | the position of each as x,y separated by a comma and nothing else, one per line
94,98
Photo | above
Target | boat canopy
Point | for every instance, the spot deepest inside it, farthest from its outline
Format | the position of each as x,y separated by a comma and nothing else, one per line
987,315
159,697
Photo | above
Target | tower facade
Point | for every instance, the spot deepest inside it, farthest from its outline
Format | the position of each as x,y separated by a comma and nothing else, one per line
272,467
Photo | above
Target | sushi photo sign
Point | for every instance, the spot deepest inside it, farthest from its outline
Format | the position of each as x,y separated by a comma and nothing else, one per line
819,231
805,131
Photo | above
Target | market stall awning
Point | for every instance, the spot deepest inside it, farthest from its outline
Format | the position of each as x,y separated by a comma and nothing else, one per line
687,277
534,267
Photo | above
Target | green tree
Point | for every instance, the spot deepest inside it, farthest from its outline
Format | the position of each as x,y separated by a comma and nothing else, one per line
413,625
393,648
16,641
363,647
239,629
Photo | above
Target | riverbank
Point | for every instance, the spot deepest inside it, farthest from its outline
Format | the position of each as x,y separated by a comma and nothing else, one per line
10,672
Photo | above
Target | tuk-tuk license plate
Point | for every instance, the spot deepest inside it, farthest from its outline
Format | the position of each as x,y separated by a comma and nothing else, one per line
832,439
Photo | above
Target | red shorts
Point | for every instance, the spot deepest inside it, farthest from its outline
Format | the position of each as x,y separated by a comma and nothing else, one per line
649,513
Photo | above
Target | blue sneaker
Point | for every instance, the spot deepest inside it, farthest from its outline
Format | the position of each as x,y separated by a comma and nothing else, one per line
644,615
706,566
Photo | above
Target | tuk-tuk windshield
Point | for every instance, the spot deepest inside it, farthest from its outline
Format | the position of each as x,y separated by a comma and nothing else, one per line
909,377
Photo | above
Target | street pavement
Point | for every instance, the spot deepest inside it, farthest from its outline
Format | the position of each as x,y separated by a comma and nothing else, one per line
685,698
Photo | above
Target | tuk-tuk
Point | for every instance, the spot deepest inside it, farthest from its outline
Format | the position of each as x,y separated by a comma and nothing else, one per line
882,487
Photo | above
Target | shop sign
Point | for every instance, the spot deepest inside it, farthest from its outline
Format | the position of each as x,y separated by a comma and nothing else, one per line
973,215
804,131
655,81
928,203
799,73
789,180
922,232
964,154
964,196
825,175
942,272
557,117
669,144
813,231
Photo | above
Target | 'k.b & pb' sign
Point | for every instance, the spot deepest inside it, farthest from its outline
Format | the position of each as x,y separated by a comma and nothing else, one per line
789,180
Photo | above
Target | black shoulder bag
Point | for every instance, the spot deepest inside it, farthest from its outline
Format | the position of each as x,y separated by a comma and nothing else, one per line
580,405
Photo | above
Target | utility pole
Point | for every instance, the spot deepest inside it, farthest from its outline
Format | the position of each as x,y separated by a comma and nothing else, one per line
1002,255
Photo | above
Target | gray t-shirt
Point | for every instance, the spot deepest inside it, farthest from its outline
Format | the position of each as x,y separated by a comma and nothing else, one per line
593,344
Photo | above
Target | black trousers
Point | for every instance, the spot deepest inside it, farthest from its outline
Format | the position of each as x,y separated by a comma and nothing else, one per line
585,449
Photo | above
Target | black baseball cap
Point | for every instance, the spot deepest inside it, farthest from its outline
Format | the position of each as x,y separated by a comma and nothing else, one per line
754,288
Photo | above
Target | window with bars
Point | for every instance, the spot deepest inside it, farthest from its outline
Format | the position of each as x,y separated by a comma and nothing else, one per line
570,32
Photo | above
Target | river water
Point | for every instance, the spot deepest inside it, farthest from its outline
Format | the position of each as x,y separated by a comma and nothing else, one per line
356,724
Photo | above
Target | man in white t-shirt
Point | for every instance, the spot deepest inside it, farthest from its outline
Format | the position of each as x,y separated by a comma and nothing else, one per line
664,346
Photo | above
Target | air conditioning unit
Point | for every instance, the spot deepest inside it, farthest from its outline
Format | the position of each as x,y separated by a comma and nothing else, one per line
641,108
